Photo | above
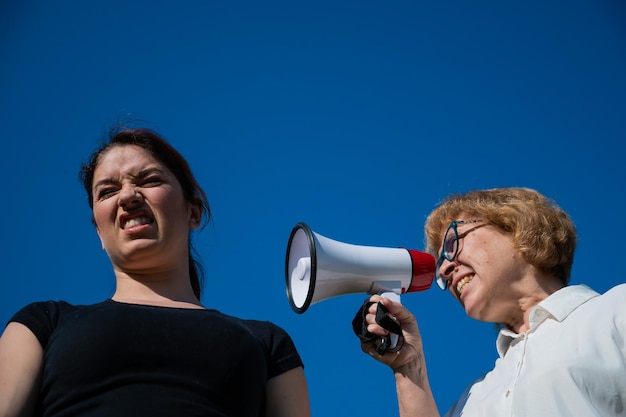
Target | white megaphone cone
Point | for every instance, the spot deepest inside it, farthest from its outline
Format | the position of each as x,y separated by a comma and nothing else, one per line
317,268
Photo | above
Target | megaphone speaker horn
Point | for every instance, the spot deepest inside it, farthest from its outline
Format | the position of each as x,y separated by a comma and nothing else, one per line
317,268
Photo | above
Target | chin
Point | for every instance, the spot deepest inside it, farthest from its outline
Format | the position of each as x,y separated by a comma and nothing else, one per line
469,311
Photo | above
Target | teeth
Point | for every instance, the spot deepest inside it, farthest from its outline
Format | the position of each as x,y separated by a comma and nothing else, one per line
462,283
136,221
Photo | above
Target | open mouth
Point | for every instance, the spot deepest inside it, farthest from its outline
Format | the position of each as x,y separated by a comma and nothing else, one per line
460,286
136,221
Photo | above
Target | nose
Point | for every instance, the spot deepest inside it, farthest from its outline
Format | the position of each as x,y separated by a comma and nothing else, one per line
447,268
129,196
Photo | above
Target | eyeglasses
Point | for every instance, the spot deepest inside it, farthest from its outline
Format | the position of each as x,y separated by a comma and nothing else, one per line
450,247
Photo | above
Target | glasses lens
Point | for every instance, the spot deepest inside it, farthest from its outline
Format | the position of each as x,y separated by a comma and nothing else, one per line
448,251
450,242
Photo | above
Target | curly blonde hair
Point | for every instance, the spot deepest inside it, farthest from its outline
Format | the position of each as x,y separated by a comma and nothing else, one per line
541,230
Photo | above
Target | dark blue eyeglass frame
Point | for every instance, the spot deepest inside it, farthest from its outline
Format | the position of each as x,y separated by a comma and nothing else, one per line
450,247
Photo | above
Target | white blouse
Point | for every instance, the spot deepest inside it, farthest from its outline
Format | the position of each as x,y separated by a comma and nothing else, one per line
571,362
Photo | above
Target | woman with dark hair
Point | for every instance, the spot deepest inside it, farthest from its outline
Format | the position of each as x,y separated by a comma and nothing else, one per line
152,348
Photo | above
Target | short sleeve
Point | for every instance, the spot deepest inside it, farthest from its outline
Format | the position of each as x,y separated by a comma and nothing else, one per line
40,317
280,348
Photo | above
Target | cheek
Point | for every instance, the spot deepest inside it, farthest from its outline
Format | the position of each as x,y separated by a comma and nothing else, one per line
486,255
503,260
171,207
103,215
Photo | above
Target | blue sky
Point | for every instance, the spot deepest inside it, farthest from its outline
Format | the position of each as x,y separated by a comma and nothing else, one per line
354,117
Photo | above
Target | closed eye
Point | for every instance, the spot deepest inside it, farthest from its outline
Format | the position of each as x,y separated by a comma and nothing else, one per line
105,193
151,182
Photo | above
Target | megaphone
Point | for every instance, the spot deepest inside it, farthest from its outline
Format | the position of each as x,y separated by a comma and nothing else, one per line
317,268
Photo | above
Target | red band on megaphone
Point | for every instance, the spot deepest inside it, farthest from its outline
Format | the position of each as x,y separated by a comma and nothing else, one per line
423,270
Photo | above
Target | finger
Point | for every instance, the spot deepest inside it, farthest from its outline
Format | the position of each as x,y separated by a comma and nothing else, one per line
397,310
375,298
372,308
376,329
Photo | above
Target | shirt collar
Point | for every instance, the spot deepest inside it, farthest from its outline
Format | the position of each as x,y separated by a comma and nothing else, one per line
557,306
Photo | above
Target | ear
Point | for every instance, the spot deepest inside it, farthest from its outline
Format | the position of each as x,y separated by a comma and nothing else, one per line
195,216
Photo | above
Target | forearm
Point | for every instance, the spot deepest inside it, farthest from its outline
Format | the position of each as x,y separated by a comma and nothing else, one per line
415,399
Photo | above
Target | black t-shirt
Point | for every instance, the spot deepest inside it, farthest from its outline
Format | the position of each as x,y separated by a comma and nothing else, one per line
116,359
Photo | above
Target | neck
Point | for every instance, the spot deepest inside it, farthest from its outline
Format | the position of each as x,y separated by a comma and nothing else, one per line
166,289
544,287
